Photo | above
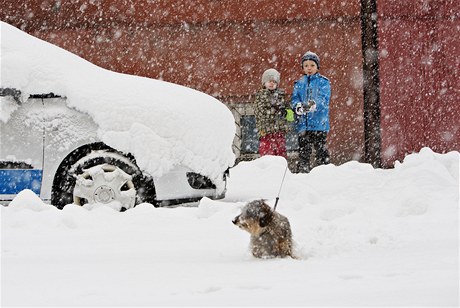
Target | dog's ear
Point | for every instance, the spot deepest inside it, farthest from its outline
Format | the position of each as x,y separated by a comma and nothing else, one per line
265,217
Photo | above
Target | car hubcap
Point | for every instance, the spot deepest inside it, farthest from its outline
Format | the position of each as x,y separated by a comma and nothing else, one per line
104,194
104,184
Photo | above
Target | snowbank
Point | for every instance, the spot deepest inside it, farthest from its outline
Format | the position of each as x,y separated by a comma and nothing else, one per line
366,237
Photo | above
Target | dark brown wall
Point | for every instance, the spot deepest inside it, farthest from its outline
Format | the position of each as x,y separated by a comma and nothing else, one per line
219,47
419,73
222,47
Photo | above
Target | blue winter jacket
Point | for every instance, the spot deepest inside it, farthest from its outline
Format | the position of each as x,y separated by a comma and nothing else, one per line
318,88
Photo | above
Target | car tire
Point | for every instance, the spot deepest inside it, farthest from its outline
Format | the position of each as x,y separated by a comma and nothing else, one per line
102,176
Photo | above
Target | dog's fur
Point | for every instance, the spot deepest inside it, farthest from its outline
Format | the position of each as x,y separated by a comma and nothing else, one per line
270,231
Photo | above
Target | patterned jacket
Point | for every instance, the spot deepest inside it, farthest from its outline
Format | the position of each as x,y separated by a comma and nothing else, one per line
270,111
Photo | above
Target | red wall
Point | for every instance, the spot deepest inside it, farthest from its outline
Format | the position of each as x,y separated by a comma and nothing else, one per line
419,77
219,47
222,48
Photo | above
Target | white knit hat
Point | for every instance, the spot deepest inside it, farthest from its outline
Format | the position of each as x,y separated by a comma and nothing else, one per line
270,74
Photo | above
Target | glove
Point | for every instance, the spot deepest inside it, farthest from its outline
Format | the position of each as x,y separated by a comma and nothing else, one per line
299,109
289,115
311,106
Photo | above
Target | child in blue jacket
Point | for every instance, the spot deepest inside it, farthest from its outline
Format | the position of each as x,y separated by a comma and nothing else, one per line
310,100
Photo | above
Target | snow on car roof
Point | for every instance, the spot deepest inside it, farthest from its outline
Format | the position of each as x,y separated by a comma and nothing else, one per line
160,123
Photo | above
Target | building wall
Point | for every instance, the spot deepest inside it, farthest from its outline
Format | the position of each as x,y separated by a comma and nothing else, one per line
419,77
215,46
222,48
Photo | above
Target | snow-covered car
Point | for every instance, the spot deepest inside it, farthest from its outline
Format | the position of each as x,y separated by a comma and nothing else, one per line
73,132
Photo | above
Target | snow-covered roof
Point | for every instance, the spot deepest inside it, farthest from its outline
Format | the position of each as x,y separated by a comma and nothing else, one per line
160,123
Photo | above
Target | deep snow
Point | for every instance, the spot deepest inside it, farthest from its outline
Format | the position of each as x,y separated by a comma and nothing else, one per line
364,236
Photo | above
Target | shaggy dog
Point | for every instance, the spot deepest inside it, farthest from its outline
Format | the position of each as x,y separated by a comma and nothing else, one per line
270,231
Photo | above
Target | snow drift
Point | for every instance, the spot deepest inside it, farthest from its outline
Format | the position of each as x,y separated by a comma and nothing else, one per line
366,237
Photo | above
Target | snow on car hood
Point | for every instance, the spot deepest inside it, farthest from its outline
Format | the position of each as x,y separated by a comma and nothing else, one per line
162,124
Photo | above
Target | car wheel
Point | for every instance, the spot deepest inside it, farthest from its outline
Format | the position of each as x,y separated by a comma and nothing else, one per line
104,184
103,177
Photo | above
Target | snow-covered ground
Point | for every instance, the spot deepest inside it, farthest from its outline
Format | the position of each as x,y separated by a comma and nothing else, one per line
364,236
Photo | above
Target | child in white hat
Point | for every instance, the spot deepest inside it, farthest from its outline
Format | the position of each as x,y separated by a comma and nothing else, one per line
271,111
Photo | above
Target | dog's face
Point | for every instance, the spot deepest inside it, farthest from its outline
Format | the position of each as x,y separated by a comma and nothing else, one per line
254,217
